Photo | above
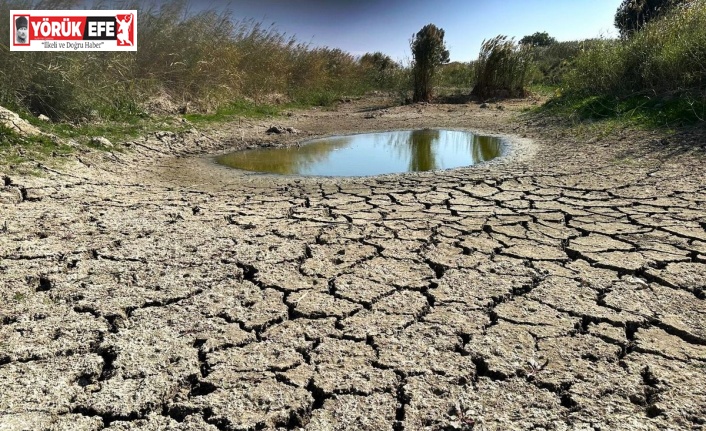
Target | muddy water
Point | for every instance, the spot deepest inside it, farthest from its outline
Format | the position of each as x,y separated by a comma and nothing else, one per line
370,154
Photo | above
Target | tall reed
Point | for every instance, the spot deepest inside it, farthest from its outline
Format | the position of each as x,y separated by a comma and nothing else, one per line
203,58
503,68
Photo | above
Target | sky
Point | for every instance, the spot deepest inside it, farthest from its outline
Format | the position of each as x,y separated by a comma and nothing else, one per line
360,26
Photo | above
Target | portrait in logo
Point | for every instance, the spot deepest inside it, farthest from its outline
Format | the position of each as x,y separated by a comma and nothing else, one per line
22,30
126,34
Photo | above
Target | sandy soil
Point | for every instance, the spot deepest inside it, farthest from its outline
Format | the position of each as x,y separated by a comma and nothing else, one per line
561,287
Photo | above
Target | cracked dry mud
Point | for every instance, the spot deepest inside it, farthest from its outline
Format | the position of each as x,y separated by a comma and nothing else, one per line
561,287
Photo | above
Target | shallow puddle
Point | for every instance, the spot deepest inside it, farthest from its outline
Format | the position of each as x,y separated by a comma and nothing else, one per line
370,154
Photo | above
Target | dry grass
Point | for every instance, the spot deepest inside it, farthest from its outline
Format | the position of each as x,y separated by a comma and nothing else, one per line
503,68
203,58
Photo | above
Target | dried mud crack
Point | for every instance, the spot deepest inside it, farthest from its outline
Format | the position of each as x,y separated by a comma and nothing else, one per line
560,287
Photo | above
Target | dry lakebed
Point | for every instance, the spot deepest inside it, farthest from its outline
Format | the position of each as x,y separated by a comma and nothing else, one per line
561,286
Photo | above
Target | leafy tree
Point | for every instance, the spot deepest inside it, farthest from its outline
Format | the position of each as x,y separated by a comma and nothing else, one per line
379,70
429,52
632,15
538,39
378,61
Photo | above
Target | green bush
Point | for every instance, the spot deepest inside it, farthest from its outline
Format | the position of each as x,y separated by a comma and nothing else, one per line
599,69
538,39
503,68
379,70
457,75
553,61
632,15
656,77
667,57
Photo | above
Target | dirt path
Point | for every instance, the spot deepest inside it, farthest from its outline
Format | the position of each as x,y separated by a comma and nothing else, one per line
560,288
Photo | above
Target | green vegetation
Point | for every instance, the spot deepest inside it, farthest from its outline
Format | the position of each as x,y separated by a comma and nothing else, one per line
429,52
632,15
538,39
209,68
656,77
457,76
503,68
201,61
668,55
15,149
238,108
111,130
636,110
553,61
379,70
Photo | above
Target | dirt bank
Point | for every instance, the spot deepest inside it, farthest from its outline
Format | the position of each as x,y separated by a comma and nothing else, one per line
562,287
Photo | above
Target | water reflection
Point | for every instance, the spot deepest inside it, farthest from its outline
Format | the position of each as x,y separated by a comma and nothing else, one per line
370,154
284,161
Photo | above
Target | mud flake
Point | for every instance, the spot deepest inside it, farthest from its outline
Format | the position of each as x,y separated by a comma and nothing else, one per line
657,341
330,260
535,252
425,348
285,277
121,397
367,323
676,309
255,308
479,190
688,276
400,273
619,260
155,421
51,385
570,359
250,403
544,321
689,230
365,413
607,228
299,376
360,290
466,321
345,367
505,349
59,332
255,357
151,352
403,302
576,298
674,391
472,288
313,305
595,242
468,203
480,242
508,404
394,248
607,388
450,256
36,420
301,334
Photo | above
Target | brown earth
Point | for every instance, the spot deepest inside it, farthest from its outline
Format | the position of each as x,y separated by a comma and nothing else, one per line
560,288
